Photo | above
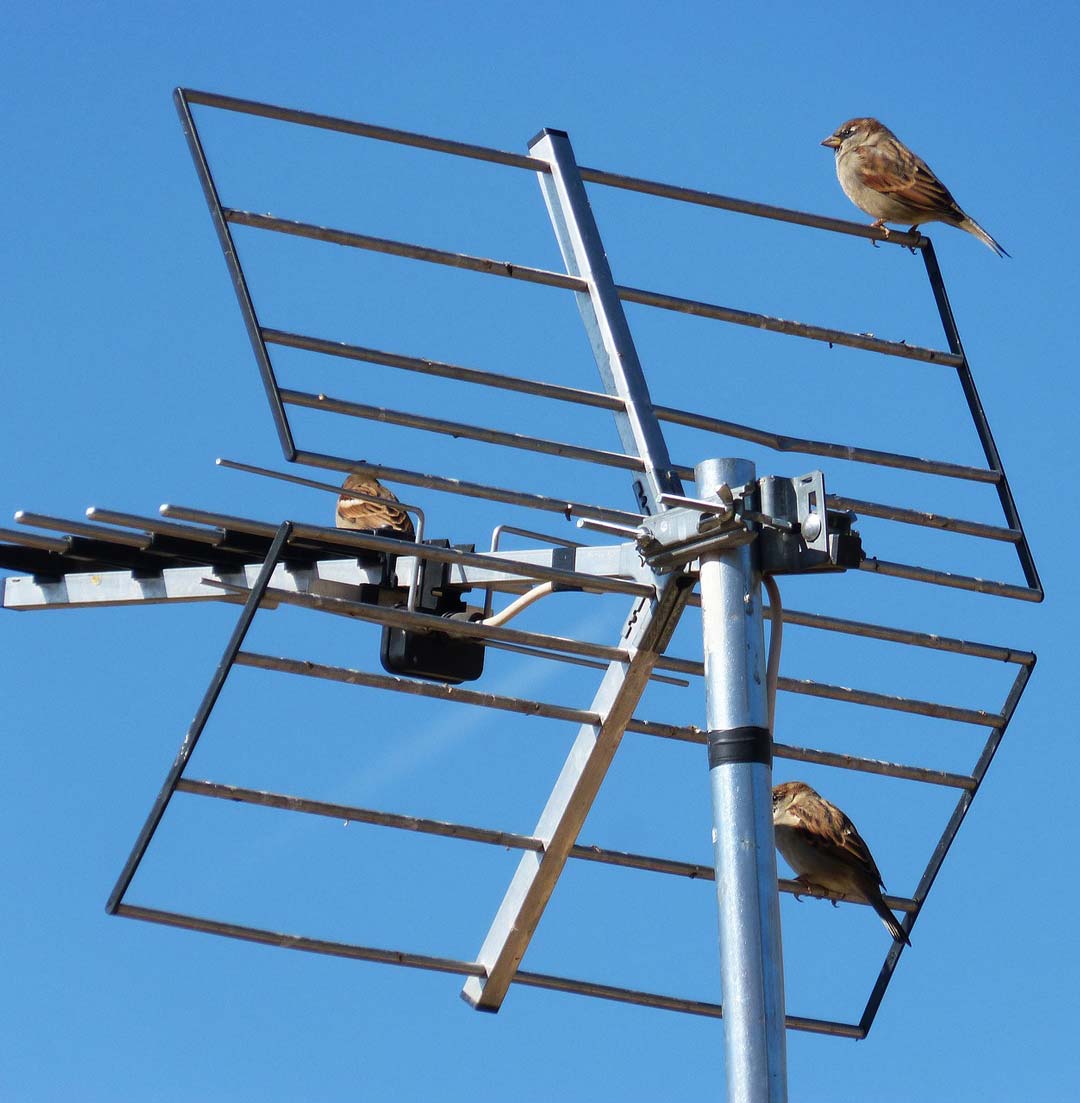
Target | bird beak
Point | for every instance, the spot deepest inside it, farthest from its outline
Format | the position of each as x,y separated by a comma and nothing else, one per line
832,141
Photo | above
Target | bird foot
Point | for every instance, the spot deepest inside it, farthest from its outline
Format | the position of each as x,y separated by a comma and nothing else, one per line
879,224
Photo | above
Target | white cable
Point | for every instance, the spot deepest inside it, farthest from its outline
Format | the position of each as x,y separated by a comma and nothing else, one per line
776,636
515,607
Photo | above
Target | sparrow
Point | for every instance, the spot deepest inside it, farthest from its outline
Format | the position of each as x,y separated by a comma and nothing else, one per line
881,176
826,852
372,516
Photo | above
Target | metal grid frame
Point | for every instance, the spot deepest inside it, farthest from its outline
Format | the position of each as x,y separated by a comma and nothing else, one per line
316,582
197,555
262,337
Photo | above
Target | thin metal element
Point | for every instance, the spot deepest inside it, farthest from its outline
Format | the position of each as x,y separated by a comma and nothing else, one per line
297,942
522,441
781,442
873,766
534,164
35,540
435,690
907,636
364,130
428,622
408,507
758,210
191,739
496,536
646,633
461,968
722,509
947,578
603,316
351,240
236,274
751,960
648,863
155,525
529,707
81,528
926,520
595,664
349,539
978,415
782,325
933,867
444,370
889,701
810,688
468,489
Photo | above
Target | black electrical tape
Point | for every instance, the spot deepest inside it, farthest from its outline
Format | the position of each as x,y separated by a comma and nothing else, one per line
746,744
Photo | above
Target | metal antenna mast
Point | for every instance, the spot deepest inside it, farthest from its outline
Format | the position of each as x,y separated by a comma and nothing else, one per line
663,552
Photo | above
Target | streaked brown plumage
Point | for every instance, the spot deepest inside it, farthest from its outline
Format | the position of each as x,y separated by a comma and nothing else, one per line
384,516
881,176
823,848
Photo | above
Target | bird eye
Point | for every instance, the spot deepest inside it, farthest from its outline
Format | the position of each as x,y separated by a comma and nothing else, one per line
847,132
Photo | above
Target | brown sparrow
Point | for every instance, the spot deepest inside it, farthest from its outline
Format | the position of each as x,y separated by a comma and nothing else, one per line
881,176
359,513
826,852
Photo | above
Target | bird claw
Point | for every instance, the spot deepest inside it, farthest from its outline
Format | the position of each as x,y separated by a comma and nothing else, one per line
879,224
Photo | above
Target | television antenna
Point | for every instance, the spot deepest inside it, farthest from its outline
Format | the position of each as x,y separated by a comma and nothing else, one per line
717,527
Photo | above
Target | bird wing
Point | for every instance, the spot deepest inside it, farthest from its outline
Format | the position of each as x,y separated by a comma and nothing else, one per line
355,513
829,830
899,172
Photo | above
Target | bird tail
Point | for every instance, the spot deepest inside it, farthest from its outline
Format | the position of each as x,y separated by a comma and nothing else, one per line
891,924
972,227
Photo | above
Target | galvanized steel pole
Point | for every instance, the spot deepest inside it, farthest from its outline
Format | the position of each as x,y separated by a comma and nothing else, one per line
740,777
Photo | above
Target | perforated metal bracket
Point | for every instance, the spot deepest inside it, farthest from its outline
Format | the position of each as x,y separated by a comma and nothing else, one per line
797,533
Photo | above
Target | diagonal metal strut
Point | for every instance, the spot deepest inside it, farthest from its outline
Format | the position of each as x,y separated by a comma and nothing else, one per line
604,318
647,630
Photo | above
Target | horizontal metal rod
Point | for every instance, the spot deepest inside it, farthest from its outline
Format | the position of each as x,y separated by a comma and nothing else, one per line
468,489
428,622
81,528
457,429
946,578
156,525
452,965
534,644
694,871
388,246
873,766
363,130
299,942
436,690
548,278
673,1003
926,520
812,688
443,370
315,484
887,701
349,539
534,164
908,637
681,733
793,329
780,442
745,206
595,664
35,540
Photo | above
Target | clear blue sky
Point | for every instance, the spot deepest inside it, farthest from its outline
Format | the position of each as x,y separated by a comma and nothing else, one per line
127,372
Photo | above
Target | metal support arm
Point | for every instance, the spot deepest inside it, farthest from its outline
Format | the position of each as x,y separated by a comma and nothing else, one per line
647,630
